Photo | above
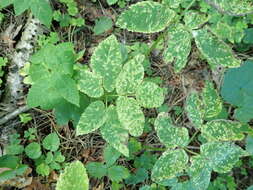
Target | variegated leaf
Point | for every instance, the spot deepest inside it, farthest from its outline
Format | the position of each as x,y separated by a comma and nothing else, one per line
168,134
173,3
93,117
194,109
130,76
130,115
179,46
211,100
106,61
113,132
149,95
149,17
169,165
194,19
214,50
90,84
222,130
221,156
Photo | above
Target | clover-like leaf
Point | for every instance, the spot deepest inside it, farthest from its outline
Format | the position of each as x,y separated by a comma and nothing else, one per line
149,17
150,95
51,142
194,109
130,76
194,19
222,130
130,115
106,61
211,100
221,156
113,132
178,47
33,150
118,173
169,165
90,84
96,169
93,117
214,50
168,134
73,177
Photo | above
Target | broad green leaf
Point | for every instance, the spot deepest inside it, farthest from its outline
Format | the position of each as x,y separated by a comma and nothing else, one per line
140,176
169,134
234,7
20,6
214,50
130,76
169,165
14,149
42,10
5,3
194,19
113,132
211,100
175,51
96,169
118,173
51,142
194,109
221,156
130,115
249,144
102,25
110,155
92,118
149,95
90,84
9,161
111,2
13,173
222,130
43,169
173,3
73,177
148,17
106,61
33,150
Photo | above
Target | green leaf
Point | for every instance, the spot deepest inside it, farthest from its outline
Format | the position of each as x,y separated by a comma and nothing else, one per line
102,24
130,76
33,150
58,157
110,155
73,177
150,95
194,19
90,84
49,158
221,156
140,176
14,149
5,3
51,142
113,132
93,117
118,173
211,100
249,144
148,17
214,50
178,52
43,169
194,109
111,2
106,61
20,6
222,130
96,169
130,115
169,165
170,135
173,3
42,10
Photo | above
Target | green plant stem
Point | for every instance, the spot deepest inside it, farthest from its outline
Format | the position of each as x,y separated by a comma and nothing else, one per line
193,136
187,150
154,148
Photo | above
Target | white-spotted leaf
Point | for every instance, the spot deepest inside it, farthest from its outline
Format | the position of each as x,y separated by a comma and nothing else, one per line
146,17
194,19
93,117
130,115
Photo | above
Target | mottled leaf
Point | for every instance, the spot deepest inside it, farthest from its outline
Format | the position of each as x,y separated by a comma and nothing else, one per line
93,117
194,19
148,17
106,61
130,76
130,115
169,165
169,134
222,130
113,132
178,46
73,177
214,50
173,3
150,95
90,84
